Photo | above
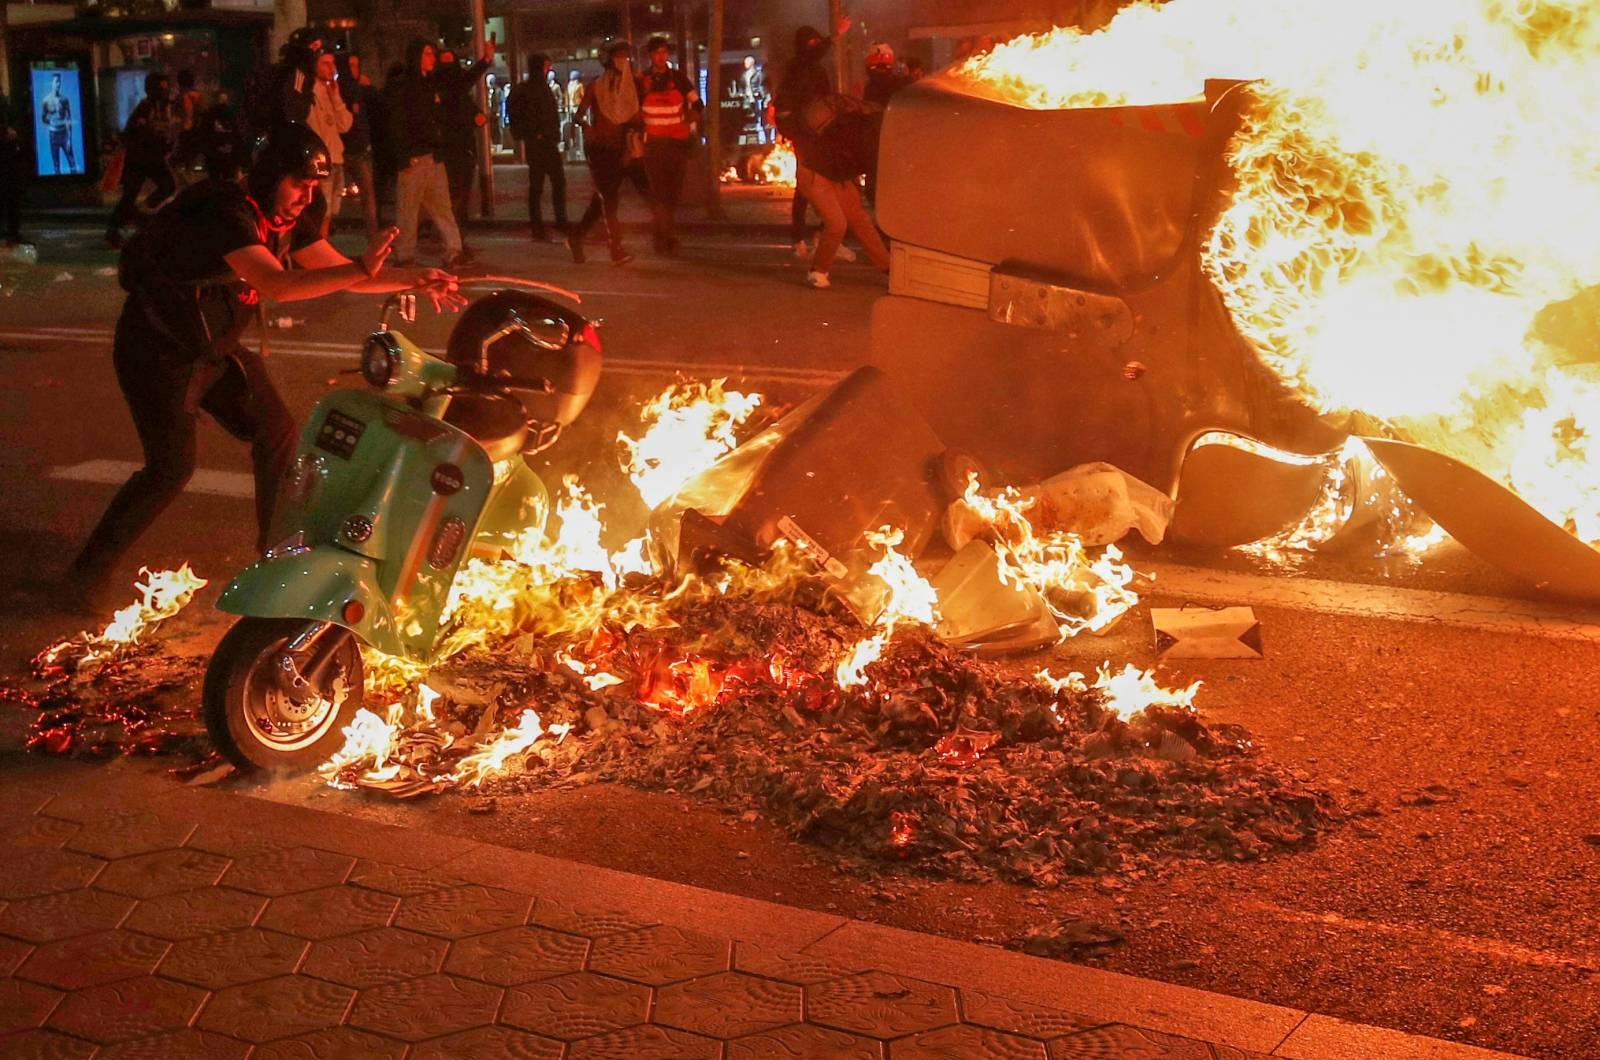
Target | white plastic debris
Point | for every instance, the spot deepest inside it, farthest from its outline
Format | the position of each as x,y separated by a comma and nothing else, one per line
1097,502
63,276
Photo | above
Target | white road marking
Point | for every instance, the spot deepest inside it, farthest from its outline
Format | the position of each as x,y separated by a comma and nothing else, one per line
613,366
1550,619
116,472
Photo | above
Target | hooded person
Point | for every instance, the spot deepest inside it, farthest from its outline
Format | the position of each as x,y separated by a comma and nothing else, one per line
613,144
194,278
835,142
416,130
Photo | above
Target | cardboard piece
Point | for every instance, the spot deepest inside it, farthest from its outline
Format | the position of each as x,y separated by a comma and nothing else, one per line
1206,633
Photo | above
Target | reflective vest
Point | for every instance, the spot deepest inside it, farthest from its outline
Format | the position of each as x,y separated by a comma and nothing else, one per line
664,102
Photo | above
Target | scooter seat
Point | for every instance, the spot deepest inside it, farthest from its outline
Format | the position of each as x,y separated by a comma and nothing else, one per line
495,421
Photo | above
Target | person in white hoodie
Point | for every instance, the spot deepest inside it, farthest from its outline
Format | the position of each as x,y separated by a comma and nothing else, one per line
329,118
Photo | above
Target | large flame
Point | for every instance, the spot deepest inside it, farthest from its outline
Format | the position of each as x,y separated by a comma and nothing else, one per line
688,427
161,595
1414,186
909,597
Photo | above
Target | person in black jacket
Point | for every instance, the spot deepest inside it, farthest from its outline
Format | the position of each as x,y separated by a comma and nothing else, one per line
146,142
536,121
194,277
362,101
416,129
463,119
13,174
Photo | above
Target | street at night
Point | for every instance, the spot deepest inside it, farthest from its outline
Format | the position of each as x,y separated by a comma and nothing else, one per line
1055,531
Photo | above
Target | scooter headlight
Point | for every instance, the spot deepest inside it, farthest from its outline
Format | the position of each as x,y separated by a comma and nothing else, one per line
378,361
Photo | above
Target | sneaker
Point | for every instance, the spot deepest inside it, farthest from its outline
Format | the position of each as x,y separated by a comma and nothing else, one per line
818,280
620,256
845,253
802,249
463,259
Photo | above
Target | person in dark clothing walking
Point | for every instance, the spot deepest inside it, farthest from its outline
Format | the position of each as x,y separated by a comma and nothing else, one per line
612,146
194,277
670,107
146,142
536,121
361,99
416,131
883,81
458,92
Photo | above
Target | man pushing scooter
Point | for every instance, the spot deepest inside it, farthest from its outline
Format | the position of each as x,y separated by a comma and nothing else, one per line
194,277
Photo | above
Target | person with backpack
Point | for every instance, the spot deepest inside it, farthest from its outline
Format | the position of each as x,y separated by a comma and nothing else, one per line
536,121
146,143
835,141
194,277
613,144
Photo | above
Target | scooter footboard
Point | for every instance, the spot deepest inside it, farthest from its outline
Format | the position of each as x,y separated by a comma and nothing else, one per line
321,585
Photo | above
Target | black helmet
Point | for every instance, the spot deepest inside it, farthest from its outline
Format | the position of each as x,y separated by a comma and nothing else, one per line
290,151
540,341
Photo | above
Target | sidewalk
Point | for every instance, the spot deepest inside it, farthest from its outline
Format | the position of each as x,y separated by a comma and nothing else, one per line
748,209
142,918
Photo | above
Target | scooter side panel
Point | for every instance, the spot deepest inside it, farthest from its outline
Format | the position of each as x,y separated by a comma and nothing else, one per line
315,585
420,483
520,504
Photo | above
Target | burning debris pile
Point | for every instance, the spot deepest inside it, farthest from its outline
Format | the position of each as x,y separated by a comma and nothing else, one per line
115,692
826,691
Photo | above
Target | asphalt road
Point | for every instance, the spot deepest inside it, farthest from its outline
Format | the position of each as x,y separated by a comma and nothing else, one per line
1472,916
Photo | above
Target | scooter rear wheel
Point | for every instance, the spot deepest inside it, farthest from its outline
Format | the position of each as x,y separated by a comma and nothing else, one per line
253,717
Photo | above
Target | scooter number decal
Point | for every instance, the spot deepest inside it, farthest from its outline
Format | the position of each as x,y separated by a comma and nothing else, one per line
339,434
447,479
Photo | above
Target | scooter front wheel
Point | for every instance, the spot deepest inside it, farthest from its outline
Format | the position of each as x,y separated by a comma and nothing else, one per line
279,692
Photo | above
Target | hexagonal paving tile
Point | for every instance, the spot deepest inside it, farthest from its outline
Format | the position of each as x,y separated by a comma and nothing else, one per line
47,872
401,881
576,1005
24,1006
646,1043
1118,1039
186,1044
581,920
47,1045
287,871
235,842
966,1043
517,955
461,911
125,836
90,960
192,914
789,967
233,957
329,911
133,1008
1003,1014
12,953
164,872
728,1005
37,833
880,1005
61,916
277,1008
88,809
802,1042
341,1043
489,1043
375,957
659,955
433,1005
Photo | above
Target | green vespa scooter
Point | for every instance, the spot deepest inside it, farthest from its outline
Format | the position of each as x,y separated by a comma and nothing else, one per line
395,487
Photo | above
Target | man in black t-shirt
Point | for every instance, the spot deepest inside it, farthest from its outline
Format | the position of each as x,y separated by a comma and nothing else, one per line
194,277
